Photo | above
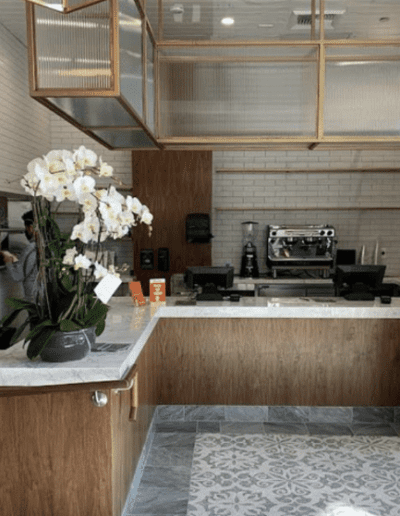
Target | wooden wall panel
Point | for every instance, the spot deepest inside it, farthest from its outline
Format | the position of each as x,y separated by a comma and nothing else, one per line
336,362
172,184
56,456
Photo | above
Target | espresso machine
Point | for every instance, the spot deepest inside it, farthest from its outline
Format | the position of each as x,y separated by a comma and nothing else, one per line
249,265
301,248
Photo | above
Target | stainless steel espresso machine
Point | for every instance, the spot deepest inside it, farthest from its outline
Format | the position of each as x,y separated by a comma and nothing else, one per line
296,248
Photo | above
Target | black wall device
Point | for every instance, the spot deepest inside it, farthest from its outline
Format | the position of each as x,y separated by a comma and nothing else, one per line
198,228
147,259
163,259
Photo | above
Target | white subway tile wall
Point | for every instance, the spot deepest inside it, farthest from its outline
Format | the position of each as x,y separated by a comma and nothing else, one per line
308,190
25,124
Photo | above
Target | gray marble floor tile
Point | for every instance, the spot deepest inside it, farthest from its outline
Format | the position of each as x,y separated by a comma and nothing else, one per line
212,427
241,428
396,428
396,414
373,415
382,429
170,413
173,439
286,428
159,501
246,413
328,429
288,414
341,415
176,478
204,413
175,426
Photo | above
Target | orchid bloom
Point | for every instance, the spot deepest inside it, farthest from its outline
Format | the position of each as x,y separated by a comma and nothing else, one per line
81,262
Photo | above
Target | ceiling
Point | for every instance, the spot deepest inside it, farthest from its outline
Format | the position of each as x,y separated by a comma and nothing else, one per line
12,16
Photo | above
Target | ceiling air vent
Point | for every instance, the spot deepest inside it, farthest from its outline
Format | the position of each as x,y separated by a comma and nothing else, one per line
302,19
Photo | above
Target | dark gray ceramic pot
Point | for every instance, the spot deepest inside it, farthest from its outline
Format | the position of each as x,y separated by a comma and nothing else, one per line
69,345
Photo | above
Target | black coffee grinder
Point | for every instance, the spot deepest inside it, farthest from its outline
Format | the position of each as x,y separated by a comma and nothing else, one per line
249,267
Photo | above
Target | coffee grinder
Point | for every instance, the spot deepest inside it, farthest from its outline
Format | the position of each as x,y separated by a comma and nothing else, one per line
249,266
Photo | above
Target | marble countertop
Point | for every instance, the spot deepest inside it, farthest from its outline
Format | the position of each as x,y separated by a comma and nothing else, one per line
127,324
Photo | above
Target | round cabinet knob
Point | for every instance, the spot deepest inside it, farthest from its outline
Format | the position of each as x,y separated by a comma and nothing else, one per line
329,233
322,232
99,399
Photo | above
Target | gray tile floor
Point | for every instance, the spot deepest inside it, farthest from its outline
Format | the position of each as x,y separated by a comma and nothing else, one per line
164,484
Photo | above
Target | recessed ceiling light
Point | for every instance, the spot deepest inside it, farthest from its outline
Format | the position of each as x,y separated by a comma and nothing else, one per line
266,25
228,20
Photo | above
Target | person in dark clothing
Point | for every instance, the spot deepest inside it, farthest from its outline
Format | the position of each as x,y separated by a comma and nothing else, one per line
24,268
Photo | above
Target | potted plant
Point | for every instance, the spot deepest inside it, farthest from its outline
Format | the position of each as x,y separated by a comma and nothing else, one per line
68,268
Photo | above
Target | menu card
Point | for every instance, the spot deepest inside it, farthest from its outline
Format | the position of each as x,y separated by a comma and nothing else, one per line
157,290
136,292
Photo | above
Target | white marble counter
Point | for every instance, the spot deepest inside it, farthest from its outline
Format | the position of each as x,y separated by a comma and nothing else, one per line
133,326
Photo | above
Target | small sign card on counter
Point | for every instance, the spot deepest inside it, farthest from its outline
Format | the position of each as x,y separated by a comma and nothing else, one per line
136,292
157,290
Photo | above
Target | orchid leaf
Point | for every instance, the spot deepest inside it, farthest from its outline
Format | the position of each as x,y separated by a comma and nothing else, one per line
39,342
38,329
100,327
68,325
98,312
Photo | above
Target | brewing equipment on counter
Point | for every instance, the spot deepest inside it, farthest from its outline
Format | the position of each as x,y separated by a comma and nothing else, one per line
310,248
249,264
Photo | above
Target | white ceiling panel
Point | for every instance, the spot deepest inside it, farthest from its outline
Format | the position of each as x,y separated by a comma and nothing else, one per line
12,16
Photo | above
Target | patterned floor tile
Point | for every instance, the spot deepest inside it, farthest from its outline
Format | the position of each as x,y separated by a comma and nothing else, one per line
282,475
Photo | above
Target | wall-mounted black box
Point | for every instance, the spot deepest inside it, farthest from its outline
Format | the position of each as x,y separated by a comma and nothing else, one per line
147,259
163,259
198,228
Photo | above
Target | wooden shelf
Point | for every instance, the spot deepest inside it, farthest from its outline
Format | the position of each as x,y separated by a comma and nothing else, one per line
303,171
308,208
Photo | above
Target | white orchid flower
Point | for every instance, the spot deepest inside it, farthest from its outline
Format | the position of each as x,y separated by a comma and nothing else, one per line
126,218
84,158
84,185
101,194
146,216
56,160
112,270
105,170
133,204
88,202
69,256
81,232
81,262
92,223
119,232
99,271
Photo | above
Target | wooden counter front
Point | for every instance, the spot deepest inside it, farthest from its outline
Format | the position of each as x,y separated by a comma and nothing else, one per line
336,362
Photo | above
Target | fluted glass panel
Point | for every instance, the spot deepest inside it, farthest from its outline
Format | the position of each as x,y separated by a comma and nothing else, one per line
364,19
252,19
74,4
238,98
125,139
152,15
236,51
364,51
150,91
362,98
73,50
130,41
94,111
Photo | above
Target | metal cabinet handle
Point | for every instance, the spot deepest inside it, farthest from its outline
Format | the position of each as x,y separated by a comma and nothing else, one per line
99,399
134,385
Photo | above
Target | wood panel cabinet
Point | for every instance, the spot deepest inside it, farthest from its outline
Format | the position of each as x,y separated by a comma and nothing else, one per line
61,455
334,362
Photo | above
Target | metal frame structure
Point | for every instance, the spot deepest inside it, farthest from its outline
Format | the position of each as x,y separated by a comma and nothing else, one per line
317,41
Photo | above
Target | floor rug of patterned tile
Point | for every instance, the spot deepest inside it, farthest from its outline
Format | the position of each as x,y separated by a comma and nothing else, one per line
295,475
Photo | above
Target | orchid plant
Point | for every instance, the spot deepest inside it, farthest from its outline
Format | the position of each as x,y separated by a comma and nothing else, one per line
68,270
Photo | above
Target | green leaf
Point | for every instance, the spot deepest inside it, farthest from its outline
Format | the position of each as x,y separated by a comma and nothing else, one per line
19,331
39,328
98,312
38,343
8,319
20,304
68,325
100,327
6,337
